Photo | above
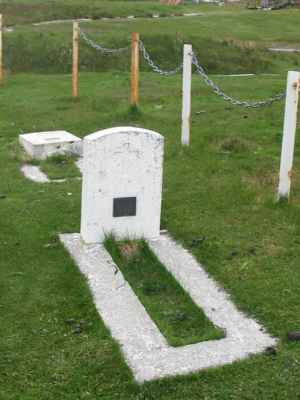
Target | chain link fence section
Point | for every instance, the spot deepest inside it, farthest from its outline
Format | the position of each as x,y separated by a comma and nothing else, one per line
100,48
235,102
154,67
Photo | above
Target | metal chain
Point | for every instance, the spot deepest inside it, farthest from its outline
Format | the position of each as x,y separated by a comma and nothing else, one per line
100,48
155,67
199,68
235,102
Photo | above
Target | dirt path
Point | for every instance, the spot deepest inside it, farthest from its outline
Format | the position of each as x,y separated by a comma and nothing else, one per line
130,17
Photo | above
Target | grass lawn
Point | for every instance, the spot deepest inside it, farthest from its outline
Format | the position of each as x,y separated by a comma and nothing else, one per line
59,167
218,200
26,11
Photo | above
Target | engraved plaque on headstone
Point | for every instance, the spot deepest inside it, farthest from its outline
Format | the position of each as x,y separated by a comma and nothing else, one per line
124,207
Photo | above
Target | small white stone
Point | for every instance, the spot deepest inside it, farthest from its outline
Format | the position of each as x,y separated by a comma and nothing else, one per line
40,145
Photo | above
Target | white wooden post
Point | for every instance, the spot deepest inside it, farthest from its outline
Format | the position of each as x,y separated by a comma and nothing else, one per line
186,94
289,133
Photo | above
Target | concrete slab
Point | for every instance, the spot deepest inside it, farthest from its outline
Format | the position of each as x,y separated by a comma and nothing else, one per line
144,347
40,145
34,173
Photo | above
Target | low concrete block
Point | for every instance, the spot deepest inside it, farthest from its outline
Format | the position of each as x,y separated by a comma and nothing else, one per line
41,145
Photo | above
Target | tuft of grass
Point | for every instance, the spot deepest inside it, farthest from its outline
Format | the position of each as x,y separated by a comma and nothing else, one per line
60,167
235,144
282,202
134,111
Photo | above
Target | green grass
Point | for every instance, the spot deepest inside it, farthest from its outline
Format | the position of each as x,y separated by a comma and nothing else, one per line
28,11
169,306
218,196
60,167
218,201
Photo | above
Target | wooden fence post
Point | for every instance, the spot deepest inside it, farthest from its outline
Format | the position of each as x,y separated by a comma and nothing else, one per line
134,69
76,35
289,133
1,50
186,94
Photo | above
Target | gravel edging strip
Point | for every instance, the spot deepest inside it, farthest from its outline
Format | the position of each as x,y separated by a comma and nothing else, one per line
144,347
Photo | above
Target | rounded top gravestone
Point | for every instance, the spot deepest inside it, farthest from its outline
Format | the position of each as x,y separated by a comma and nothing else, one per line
122,184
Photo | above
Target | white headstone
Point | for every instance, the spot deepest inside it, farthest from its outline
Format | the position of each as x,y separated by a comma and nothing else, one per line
122,184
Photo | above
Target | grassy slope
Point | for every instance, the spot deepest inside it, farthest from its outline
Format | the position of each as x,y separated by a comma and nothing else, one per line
221,188
26,11
227,41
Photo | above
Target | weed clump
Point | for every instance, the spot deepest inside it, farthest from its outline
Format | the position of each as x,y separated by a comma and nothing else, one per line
234,145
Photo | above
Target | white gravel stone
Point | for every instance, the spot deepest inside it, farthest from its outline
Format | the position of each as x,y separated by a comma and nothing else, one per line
34,173
144,347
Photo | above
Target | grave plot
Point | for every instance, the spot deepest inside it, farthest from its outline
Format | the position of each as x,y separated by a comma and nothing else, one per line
50,151
121,195
170,307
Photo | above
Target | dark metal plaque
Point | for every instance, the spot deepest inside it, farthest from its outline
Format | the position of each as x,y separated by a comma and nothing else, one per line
124,207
